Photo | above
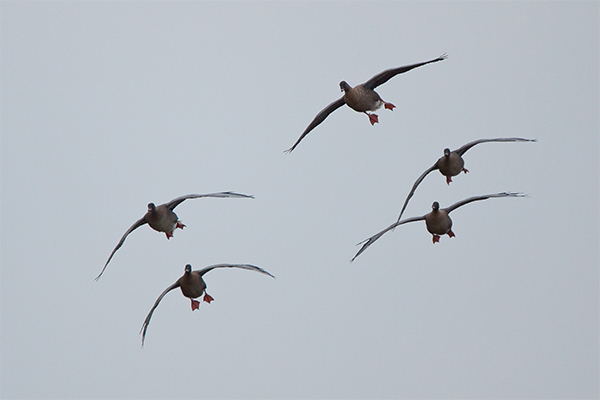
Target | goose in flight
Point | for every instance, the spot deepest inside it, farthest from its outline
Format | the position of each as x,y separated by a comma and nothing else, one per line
163,219
362,98
193,286
452,163
438,221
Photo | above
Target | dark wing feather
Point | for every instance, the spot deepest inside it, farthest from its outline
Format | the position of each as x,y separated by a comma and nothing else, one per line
373,238
147,320
484,197
241,266
133,227
386,75
467,146
175,202
318,119
412,191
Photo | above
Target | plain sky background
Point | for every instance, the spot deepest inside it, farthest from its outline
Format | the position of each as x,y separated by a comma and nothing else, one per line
107,106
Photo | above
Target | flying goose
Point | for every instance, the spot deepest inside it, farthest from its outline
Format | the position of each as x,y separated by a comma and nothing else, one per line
362,98
192,286
163,219
438,221
452,163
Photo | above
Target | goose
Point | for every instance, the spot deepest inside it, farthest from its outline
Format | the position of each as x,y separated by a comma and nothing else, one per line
438,221
362,98
452,164
163,219
193,286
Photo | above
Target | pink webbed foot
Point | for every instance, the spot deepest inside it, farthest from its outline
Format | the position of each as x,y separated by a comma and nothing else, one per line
465,170
207,298
436,239
169,235
389,106
373,118
448,179
179,225
451,234
195,304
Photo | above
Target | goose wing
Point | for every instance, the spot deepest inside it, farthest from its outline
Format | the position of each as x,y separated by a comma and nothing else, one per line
388,74
147,320
417,182
241,266
175,202
484,197
318,119
133,227
467,146
366,243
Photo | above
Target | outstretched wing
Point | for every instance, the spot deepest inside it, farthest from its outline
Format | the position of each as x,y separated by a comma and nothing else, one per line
133,227
147,320
467,146
412,191
318,119
484,197
373,238
241,266
386,75
175,202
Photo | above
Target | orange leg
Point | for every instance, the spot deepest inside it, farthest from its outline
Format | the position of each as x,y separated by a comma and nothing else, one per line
373,118
207,298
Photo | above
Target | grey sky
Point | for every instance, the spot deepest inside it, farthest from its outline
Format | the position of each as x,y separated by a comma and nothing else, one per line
107,106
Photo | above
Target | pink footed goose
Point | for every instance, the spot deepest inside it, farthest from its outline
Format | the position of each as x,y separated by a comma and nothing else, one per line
362,98
193,286
162,218
452,164
438,221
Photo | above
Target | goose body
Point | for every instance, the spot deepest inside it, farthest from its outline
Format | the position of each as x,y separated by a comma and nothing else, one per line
162,219
451,164
438,222
192,285
361,99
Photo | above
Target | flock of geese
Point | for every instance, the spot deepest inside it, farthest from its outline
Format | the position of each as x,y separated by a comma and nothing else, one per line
361,98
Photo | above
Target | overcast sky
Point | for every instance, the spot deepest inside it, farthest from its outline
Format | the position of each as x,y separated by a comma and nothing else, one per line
107,106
